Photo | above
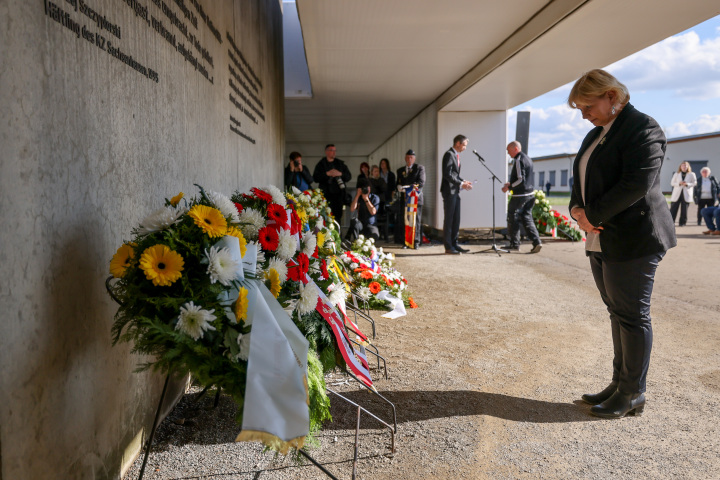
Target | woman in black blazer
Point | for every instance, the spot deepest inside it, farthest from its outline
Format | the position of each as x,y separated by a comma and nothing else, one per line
617,200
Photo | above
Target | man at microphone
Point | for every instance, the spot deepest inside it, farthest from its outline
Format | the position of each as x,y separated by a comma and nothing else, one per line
522,201
450,188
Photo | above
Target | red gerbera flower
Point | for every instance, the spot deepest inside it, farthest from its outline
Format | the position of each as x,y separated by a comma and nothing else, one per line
412,303
294,223
374,288
316,253
366,274
324,270
262,194
388,282
303,261
268,238
277,213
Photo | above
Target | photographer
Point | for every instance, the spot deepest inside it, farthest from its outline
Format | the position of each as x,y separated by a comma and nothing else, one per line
296,174
332,174
367,205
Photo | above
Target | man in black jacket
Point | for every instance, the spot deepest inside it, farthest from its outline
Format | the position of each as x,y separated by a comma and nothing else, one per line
332,175
296,174
522,201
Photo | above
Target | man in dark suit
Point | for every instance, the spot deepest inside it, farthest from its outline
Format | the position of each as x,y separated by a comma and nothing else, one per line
522,201
450,188
413,174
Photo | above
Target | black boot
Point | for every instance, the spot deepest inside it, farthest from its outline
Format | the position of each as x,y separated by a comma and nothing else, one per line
597,398
619,405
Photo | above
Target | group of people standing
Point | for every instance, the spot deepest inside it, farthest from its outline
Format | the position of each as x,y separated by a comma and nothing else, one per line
376,188
704,191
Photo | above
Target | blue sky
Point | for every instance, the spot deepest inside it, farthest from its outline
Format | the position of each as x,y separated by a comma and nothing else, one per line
675,81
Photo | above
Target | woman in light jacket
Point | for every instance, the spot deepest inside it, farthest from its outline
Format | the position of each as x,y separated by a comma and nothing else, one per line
682,182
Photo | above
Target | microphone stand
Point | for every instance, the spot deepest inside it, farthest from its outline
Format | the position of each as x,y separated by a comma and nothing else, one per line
493,247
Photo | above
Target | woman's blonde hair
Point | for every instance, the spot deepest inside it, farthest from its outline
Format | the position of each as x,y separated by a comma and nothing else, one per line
684,163
597,83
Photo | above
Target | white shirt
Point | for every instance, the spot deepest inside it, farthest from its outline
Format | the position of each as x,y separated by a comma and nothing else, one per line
592,242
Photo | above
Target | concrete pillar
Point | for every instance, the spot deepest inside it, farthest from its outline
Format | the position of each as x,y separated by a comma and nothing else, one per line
487,133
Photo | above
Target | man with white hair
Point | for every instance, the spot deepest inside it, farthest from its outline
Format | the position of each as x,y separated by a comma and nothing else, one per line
706,192
522,201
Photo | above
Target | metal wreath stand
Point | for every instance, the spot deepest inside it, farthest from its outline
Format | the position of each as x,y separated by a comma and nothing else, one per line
358,310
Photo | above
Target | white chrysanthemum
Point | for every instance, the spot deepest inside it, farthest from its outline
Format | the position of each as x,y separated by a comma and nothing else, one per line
287,245
296,191
337,295
345,258
194,321
225,205
280,267
252,221
277,195
354,265
243,342
310,243
222,267
365,248
312,212
308,298
259,262
364,292
161,219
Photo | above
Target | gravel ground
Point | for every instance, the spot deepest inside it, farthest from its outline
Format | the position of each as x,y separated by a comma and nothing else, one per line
487,375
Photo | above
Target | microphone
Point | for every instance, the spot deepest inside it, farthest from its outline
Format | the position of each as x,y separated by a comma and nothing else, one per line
478,155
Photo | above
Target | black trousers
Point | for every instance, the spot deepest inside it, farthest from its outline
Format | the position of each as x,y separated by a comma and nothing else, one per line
625,288
702,203
451,222
335,202
683,210
520,212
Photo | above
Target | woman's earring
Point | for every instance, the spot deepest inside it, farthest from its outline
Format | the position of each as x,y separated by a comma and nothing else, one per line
613,110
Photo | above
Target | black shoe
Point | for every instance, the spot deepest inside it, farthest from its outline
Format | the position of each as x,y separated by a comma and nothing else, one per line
452,251
460,249
510,247
597,398
619,405
405,247
536,248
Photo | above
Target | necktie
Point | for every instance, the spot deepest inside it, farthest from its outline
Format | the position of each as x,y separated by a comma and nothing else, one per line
458,157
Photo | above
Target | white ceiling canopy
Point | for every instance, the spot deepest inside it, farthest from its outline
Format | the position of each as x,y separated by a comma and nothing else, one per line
375,64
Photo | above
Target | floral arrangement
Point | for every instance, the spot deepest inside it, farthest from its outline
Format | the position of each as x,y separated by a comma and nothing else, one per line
547,219
372,271
181,294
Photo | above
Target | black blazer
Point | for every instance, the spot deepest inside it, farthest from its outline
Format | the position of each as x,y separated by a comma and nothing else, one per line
451,180
622,187
415,177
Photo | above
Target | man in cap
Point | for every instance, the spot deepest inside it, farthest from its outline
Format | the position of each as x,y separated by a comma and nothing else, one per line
413,175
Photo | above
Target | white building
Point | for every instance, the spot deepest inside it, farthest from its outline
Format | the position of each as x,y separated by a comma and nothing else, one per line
700,150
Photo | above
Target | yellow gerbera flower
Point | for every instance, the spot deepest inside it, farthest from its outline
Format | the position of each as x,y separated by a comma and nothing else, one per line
176,199
302,216
274,278
320,239
122,260
235,232
209,219
161,265
241,305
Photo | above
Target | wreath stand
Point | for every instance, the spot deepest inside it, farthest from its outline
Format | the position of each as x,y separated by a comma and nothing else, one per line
360,409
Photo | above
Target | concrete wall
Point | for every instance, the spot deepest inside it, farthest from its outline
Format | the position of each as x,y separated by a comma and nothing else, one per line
100,122
486,132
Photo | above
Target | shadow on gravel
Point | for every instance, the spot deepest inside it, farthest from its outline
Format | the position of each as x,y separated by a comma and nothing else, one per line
425,405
